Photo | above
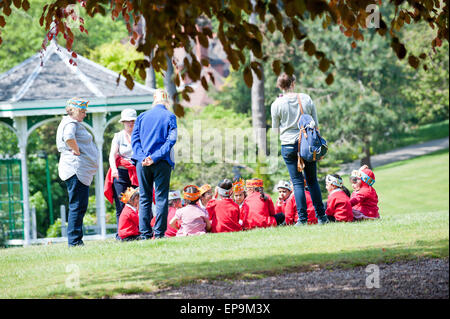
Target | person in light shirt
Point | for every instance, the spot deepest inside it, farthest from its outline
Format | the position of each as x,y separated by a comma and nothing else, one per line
121,173
77,165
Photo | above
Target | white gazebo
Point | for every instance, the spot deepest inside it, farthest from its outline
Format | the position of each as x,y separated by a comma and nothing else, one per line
35,92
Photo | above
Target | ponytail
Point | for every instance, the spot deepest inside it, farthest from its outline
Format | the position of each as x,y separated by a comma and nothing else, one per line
346,191
261,191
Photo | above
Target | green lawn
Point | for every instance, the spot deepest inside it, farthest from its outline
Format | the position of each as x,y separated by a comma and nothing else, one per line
414,205
416,135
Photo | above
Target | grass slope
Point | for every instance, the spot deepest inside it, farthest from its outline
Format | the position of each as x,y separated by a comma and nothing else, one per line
414,204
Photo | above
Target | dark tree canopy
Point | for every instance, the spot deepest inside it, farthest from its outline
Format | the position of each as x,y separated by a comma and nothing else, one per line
172,24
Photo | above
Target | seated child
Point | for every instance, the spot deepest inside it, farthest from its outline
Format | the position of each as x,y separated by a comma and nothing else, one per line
174,204
239,195
223,212
291,213
192,219
364,198
284,192
339,208
206,195
261,209
129,217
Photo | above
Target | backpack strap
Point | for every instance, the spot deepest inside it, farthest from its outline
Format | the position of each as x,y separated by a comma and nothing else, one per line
300,162
300,103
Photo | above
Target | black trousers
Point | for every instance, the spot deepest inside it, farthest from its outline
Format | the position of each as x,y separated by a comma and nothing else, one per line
120,185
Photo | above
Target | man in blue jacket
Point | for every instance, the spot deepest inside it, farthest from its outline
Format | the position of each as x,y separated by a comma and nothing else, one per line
153,138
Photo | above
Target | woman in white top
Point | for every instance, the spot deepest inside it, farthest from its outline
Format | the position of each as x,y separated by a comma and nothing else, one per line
77,166
122,172
285,111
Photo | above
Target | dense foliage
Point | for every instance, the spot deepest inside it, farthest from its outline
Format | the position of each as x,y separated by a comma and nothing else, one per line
177,23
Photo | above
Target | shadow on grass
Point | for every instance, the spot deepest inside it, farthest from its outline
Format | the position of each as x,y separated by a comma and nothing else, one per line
151,277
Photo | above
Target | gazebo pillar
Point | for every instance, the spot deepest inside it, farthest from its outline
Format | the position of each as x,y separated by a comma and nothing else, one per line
98,126
20,124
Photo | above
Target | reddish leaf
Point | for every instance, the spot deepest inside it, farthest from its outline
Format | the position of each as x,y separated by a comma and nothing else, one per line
204,83
2,21
413,61
248,78
74,54
17,3
276,67
330,79
309,47
25,5
324,64
178,110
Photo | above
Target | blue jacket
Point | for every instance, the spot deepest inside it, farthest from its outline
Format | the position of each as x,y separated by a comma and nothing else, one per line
154,135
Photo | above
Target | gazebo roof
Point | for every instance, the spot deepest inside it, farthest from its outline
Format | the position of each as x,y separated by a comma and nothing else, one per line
42,85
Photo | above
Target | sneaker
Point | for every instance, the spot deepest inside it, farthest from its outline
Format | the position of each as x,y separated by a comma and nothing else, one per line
299,224
322,220
142,237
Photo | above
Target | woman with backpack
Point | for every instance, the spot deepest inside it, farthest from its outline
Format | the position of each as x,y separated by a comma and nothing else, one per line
286,111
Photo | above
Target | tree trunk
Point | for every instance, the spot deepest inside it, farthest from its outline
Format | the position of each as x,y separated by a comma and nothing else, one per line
366,159
258,108
168,81
150,80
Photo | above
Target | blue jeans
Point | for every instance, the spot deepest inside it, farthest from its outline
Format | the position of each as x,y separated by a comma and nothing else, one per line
159,174
78,203
290,156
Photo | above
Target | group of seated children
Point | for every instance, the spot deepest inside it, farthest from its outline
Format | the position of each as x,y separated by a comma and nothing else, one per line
361,204
237,206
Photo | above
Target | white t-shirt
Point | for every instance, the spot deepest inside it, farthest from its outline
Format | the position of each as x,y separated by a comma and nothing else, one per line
125,147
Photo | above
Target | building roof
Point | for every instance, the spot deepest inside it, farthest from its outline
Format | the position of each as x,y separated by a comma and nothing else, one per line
44,83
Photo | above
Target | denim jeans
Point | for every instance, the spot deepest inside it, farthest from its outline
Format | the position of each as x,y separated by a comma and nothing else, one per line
159,175
290,156
120,186
78,203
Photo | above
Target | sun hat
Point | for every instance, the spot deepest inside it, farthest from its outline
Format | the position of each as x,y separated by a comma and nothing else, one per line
204,188
191,196
252,183
174,195
77,102
365,174
128,115
284,184
160,96
125,196
239,186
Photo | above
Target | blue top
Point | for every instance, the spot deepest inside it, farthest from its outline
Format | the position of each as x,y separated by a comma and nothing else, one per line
154,135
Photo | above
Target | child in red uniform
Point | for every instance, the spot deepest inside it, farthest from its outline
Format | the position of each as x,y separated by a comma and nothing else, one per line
223,212
291,214
261,211
129,217
339,208
284,193
174,204
239,195
364,198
